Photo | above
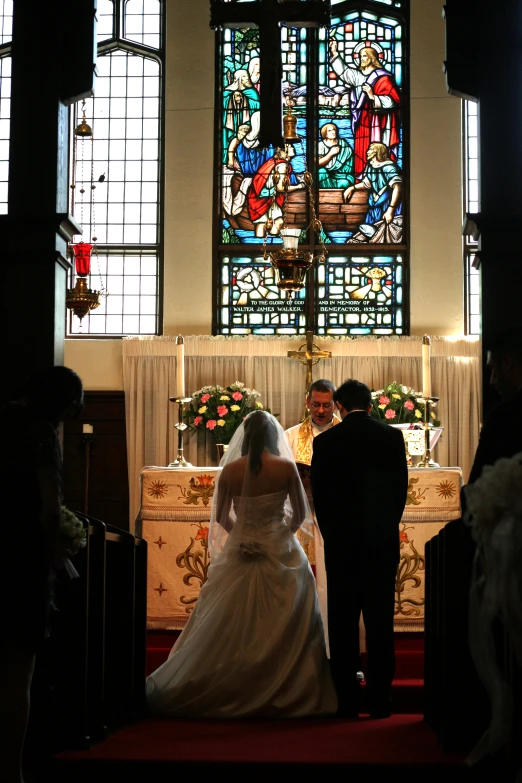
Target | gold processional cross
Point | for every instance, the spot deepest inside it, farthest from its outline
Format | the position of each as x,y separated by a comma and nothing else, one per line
309,354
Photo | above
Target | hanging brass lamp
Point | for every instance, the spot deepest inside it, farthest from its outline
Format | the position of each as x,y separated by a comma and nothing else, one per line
289,263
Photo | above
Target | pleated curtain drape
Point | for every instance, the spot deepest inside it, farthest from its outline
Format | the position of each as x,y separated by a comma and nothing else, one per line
149,373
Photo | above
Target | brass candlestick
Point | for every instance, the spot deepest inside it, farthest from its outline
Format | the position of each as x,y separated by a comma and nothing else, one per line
180,461
426,461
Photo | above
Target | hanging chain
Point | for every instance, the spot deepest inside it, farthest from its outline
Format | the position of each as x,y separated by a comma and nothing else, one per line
315,223
94,238
73,183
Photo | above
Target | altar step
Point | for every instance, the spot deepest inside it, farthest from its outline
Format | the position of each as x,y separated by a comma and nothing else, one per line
408,685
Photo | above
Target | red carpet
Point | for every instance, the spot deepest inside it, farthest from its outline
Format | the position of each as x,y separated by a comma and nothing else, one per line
365,750
402,744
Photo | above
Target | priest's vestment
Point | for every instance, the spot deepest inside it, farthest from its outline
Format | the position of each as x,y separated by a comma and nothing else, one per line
300,439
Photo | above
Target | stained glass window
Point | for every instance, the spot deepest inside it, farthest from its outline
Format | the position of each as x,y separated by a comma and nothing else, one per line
252,303
345,85
360,295
124,164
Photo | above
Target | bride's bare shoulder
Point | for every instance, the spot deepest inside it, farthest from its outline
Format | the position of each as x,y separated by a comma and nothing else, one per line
282,462
236,466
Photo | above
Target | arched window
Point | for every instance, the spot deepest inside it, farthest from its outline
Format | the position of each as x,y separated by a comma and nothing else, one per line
125,209
349,89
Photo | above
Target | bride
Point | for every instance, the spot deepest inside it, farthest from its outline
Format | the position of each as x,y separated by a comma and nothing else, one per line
254,644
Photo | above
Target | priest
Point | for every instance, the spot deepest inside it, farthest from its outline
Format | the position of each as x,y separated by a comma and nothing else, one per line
321,416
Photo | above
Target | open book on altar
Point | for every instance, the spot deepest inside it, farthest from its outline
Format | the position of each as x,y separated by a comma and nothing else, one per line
435,432
415,439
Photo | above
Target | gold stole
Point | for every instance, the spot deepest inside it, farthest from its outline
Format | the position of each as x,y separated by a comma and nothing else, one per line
305,440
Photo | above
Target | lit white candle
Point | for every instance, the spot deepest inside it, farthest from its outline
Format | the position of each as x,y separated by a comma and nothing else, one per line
180,367
426,367
88,429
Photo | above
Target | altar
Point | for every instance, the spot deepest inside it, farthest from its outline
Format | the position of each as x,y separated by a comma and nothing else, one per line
174,518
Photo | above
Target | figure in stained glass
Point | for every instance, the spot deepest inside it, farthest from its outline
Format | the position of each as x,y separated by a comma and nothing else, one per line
254,72
244,158
374,98
266,194
233,161
241,101
335,159
382,177
247,154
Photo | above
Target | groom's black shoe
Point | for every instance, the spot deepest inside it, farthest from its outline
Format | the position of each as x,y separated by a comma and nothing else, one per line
347,710
380,709
383,712
347,714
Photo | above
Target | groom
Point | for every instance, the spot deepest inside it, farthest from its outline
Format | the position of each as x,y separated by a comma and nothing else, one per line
359,486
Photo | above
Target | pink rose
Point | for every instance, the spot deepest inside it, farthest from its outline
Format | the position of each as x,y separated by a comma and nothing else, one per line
409,404
211,424
237,396
197,420
389,414
205,397
382,399
222,411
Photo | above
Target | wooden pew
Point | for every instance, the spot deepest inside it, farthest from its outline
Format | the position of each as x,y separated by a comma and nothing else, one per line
97,649
457,705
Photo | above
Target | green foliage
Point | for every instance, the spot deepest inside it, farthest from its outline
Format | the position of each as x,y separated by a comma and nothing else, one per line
230,237
247,39
220,411
398,404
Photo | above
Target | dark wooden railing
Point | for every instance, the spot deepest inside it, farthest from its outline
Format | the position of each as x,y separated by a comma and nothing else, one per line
98,640
457,706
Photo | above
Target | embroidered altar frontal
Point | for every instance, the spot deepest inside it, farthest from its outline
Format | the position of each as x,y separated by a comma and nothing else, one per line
433,501
175,515
174,519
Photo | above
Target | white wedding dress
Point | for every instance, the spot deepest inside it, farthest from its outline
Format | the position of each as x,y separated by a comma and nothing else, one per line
254,645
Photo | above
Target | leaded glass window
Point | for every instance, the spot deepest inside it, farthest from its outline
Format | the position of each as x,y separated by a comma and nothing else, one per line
346,85
125,164
6,32
471,205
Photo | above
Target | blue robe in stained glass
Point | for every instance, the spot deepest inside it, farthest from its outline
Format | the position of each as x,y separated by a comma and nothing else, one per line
379,178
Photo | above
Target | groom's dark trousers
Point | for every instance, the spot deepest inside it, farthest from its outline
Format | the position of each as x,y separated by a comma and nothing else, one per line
359,485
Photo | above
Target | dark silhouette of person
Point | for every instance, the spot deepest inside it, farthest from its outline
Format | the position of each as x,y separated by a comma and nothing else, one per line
501,434
359,486
31,491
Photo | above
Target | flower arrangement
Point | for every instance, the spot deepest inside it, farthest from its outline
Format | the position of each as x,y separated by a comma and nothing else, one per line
398,404
73,537
494,513
219,411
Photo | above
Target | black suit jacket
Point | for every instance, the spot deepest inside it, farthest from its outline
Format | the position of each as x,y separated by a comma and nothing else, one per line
360,482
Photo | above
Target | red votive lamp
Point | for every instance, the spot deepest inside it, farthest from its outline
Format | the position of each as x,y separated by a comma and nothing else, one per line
82,258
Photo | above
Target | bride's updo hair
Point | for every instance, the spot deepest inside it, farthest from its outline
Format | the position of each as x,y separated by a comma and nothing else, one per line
260,433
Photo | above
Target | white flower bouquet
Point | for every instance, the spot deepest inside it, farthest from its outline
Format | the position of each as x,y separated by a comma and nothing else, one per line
494,513
73,537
